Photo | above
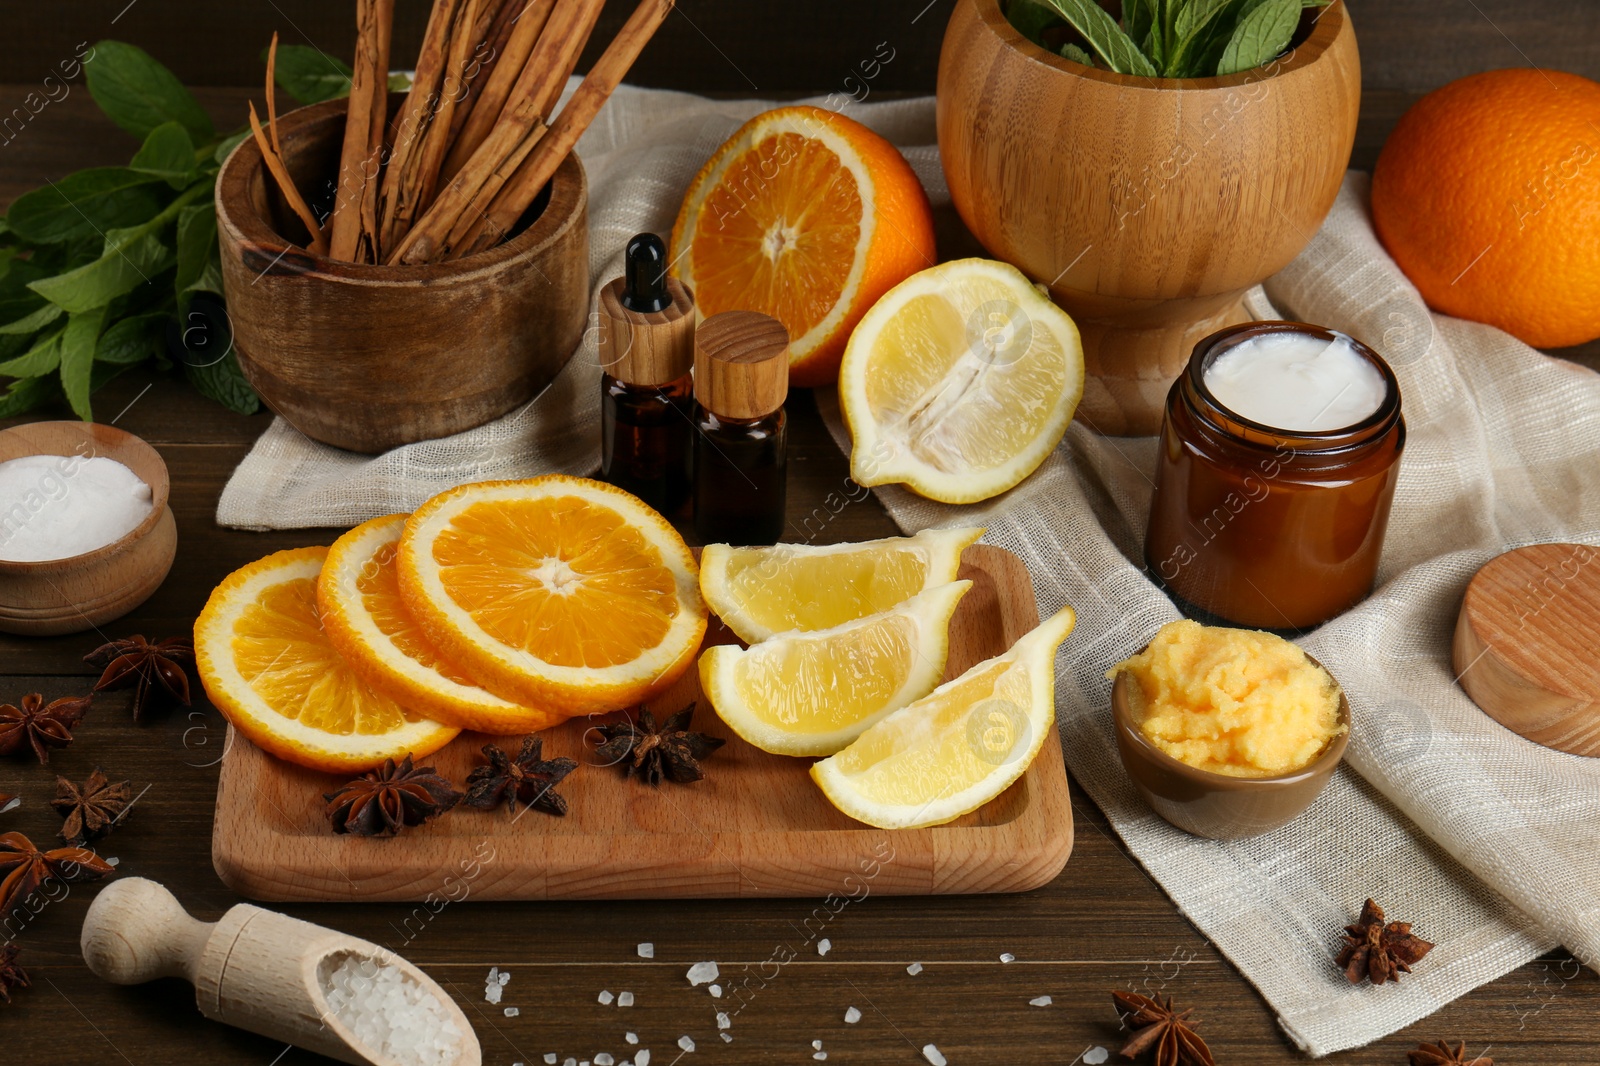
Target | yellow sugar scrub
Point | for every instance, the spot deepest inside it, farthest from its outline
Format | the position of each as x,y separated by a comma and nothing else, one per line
1232,701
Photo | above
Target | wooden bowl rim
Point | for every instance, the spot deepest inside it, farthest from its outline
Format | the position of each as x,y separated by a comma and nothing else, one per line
569,196
1333,23
99,433
1322,766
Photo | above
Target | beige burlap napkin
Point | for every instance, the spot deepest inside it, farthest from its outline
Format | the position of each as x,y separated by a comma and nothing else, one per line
1486,842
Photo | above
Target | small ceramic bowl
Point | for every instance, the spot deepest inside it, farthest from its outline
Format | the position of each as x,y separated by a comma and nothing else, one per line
71,595
1217,805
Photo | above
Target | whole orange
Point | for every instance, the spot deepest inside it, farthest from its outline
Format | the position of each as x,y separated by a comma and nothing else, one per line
1487,194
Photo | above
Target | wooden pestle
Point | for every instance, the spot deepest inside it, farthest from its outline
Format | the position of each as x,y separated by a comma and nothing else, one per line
254,969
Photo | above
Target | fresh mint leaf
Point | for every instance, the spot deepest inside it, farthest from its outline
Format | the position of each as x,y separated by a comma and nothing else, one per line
199,260
1261,35
42,358
1139,18
85,204
132,340
1202,29
32,323
309,74
168,154
78,344
1076,54
399,83
25,395
1031,20
139,94
1105,36
225,383
131,258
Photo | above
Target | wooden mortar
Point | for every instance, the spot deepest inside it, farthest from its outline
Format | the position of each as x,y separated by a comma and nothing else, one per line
372,357
1147,206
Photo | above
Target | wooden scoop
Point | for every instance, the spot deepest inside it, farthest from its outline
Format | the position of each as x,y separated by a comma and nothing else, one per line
254,969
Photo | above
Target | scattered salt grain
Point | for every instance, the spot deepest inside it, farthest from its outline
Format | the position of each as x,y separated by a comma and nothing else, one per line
1006,956
817,1044
505,978
727,1038
606,997
492,985
570,1061
632,1038
914,969
851,1016
550,1058
512,1012
624,999
647,951
821,1056
68,505
824,946
685,1043
701,972
716,991
389,1013
723,1021
1040,1001
933,1055
604,1059
112,860
642,1058
1096,1055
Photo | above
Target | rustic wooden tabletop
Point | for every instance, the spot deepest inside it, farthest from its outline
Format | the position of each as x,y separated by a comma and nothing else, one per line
1102,924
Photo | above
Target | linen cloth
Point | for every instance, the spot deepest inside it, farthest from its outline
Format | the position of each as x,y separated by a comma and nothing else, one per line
1488,843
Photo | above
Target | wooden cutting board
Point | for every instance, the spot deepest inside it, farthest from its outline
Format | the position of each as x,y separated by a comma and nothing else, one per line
756,826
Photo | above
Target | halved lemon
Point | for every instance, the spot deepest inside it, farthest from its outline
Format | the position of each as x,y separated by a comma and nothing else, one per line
959,382
958,747
367,621
268,666
558,592
813,693
761,591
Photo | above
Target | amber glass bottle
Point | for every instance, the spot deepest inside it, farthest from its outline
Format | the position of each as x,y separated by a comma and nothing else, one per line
646,388
741,381
1265,527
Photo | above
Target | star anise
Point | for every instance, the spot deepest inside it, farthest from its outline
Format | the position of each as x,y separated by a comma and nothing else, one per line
40,724
1441,1054
382,802
1377,951
148,667
11,975
529,779
654,752
24,868
1156,1025
90,810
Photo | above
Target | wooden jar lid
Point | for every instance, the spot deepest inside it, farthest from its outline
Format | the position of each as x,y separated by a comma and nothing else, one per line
1527,640
741,364
646,348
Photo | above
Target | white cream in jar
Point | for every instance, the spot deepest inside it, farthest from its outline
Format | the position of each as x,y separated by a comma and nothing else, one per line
59,506
1296,381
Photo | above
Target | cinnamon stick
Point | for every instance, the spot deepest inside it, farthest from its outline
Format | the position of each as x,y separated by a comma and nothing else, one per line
355,218
484,110
272,94
513,136
540,166
495,22
318,244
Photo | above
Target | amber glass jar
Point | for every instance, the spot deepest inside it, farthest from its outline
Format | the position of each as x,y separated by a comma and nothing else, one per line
1265,527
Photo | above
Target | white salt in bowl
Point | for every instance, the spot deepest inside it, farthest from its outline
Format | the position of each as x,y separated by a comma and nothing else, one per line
78,593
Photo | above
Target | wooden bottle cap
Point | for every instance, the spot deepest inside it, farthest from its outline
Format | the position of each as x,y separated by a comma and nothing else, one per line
646,348
741,364
1525,644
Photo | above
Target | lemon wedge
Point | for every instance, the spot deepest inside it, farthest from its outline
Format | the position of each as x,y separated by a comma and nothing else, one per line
959,382
758,592
958,747
813,693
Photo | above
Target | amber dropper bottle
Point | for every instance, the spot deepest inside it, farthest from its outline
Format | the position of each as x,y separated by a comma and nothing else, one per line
741,380
646,389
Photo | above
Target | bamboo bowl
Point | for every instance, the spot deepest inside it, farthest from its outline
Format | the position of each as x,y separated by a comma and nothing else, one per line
1147,206
56,596
372,357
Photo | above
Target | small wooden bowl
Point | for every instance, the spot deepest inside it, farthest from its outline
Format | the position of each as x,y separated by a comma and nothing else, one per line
71,595
1216,805
372,357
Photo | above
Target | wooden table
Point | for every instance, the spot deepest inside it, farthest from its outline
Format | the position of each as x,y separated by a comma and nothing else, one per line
1102,924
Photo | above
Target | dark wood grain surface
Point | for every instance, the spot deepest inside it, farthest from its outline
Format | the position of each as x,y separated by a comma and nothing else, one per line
1103,924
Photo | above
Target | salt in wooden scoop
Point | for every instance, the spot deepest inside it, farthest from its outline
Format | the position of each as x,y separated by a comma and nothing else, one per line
337,995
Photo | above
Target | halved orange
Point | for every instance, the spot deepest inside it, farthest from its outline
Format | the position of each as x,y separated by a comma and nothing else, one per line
558,592
268,666
809,217
367,621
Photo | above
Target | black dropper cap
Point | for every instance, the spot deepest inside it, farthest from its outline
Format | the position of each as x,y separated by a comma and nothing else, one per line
645,268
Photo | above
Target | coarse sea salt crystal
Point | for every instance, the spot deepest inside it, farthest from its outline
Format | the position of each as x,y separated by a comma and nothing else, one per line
851,1016
551,1057
824,946
914,969
624,999
58,506
821,1056
701,972
647,950
493,992
571,1061
390,1014
723,1021
604,1059
716,991
1096,1055
817,1044
505,978
686,1043
606,997
933,1055
642,1058
512,1012
632,1038
727,1038
1006,956
1040,1001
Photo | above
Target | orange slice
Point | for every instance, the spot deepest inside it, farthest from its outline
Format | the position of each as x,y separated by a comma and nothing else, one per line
809,217
268,666
367,621
558,592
